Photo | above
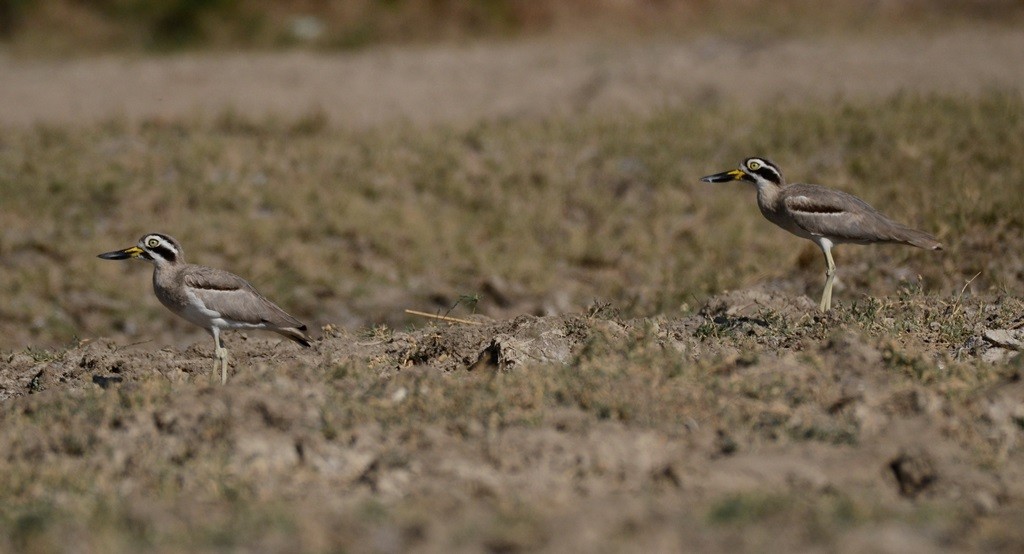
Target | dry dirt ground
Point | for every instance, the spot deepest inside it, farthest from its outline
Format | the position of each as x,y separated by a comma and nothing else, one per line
744,422
752,425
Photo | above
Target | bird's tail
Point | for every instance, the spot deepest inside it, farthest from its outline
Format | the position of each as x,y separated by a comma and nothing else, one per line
297,334
916,238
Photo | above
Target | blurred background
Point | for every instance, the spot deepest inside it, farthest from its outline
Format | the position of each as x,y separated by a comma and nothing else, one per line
60,27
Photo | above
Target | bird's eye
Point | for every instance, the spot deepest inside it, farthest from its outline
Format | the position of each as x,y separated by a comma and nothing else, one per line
753,165
153,243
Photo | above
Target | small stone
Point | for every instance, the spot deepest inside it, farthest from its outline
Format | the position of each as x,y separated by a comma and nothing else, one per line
1006,338
985,502
996,355
914,472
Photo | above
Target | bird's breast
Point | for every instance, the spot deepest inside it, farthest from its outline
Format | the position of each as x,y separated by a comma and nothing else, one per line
176,298
776,214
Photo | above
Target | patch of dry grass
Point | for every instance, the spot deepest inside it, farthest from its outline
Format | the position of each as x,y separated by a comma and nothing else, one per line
532,216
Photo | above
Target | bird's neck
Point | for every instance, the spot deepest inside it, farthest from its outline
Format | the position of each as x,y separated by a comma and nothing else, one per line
163,269
768,194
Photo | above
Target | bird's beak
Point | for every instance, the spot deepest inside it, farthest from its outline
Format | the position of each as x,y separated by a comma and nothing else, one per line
126,254
724,177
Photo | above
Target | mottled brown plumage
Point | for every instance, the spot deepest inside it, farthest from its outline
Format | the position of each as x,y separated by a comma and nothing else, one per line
820,214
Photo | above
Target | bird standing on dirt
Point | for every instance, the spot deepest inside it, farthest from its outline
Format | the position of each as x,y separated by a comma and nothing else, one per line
210,298
822,215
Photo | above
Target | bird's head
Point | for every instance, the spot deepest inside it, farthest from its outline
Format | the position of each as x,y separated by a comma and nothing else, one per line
759,171
156,248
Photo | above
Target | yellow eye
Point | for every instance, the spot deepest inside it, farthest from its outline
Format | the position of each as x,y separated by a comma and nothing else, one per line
754,166
152,243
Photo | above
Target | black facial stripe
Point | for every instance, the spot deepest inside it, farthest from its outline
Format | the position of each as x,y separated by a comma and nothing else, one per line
164,252
769,173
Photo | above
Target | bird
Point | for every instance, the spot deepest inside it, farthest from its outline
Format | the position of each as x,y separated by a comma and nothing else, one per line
822,215
213,299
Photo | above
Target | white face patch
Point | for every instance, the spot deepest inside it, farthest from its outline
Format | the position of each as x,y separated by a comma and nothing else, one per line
761,171
160,248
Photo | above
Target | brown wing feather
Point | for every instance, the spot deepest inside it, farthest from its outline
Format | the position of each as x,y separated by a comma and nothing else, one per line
234,298
844,217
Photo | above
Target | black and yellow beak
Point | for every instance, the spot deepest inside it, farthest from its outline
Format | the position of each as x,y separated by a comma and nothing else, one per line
126,254
724,177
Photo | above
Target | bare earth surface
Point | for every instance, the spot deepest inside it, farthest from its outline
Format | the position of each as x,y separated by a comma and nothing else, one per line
464,84
749,426
748,423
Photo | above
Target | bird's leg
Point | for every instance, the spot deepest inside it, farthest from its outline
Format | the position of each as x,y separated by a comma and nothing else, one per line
224,366
220,356
830,277
216,361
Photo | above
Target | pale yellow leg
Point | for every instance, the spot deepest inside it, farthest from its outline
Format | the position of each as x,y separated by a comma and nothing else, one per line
830,277
222,354
220,357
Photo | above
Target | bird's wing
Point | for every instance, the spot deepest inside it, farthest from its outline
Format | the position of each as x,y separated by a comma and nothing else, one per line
835,214
234,298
